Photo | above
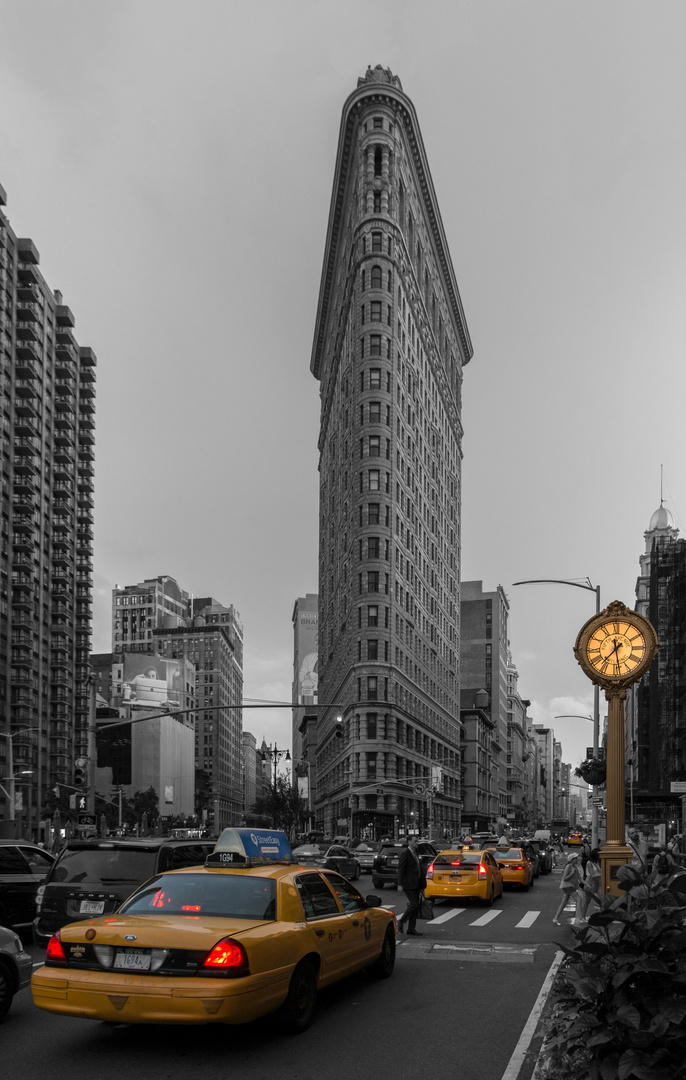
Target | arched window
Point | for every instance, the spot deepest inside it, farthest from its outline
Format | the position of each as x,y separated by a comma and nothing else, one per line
376,277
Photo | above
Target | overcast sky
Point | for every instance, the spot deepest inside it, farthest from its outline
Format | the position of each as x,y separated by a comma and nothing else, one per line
173,163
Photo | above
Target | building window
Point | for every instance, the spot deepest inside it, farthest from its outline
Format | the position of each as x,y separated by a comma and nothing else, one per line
372,649
374,479
374,412
375,344
374,446
372,615
376,311
372,687
377,241
373,514
377,202
371,725
376,277
373,547
375,378
372,581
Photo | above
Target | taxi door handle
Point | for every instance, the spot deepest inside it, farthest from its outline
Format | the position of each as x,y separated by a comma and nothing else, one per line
320,933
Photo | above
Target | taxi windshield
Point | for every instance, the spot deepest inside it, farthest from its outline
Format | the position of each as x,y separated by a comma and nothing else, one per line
467,858
205,896
507,853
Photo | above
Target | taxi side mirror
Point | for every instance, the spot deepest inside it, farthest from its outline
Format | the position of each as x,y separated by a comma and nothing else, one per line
372,900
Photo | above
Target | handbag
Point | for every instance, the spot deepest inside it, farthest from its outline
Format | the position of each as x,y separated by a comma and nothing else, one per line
426,908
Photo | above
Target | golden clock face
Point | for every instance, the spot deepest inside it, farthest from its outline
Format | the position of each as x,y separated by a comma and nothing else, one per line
616,648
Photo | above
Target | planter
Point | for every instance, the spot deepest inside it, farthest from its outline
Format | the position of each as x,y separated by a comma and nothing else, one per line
592,773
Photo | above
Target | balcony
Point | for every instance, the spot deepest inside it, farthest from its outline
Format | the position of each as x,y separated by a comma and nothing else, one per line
64,350
63,316
27,311
24,427
27,367
27,291
27,348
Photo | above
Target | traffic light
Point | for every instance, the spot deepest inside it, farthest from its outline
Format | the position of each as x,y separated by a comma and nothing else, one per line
80,777
72,802
339,727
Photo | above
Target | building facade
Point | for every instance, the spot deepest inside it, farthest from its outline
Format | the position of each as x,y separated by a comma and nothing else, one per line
47,383
485,662
656,706
390,344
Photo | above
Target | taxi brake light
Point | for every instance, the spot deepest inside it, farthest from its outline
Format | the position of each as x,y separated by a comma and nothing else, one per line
55,953
228,957
430,871
482,870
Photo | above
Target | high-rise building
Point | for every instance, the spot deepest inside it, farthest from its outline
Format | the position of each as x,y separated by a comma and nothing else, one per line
485,658
159,619
390,343
213,641
47,382
655,711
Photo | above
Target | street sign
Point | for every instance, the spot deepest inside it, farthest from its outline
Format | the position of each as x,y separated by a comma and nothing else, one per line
418,789
87,819
677,786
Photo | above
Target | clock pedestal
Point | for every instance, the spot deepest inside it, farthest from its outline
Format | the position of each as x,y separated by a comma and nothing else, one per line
615,853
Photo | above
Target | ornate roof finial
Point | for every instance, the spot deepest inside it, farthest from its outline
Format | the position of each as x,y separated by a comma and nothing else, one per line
379,74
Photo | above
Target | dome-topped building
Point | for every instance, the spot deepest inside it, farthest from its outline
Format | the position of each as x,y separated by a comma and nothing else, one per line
661,527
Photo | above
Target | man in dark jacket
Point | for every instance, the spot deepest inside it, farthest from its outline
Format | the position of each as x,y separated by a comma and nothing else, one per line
411,878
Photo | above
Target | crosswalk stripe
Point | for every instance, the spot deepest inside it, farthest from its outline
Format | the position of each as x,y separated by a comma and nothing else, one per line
485,919
528,920
450,914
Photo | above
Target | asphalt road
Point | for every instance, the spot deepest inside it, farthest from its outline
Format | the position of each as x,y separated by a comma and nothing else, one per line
455,1007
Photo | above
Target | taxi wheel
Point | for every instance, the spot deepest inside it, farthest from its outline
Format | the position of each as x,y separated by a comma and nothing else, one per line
384,964
488,900
298,1008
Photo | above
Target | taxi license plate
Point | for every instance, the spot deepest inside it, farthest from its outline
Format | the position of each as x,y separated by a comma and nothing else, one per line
133,959
92,907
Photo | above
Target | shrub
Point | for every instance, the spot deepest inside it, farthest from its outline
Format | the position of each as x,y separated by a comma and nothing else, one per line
618,1007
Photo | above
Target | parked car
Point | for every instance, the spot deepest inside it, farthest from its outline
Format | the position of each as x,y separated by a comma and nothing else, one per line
23,866
336,857
385,865
365,853
15,968
93,877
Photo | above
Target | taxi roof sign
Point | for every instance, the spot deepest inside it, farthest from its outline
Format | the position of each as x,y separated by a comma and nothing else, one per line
250,847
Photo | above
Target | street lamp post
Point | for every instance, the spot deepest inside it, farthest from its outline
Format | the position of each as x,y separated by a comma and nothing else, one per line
10,765
596,689
275,755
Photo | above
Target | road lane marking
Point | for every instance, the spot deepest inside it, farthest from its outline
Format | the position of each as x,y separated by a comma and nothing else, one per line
528,920
485,919
450,914
529,1030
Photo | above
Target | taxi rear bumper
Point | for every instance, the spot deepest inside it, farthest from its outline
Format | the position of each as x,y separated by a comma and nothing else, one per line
446,889
138,999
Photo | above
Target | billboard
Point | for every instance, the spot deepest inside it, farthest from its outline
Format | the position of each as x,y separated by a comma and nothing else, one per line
306,656
152,682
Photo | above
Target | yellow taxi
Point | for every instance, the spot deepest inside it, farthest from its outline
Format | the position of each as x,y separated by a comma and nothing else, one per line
463,872
249,933
514,866
575,838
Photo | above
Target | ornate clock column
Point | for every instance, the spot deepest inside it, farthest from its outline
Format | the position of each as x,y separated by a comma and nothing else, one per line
615,648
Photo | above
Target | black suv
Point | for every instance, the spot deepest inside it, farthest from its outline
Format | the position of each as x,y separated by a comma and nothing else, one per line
385,865
93,877
23,867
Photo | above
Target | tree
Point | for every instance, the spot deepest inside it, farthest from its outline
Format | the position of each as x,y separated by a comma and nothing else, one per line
283,806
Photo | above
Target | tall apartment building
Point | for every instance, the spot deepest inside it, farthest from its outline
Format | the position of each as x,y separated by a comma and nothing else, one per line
390,343
47,416
485,660
157,617
213,641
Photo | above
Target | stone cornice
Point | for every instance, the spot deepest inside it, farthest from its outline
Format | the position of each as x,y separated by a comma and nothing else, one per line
391,95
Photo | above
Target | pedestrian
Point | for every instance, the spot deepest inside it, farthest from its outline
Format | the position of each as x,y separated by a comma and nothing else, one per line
569,884
585,855
664,864
591,883
634,842
411,879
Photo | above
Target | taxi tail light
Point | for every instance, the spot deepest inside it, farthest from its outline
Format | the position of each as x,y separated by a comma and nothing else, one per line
228,958
430,871
517,866
55,953
482,871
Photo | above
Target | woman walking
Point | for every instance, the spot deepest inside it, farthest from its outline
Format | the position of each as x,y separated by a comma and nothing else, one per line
591,883
569,884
